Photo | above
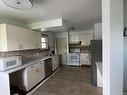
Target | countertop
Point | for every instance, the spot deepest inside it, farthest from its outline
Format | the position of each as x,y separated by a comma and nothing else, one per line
28,61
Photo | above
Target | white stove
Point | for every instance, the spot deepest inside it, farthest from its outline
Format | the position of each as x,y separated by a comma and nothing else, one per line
74,59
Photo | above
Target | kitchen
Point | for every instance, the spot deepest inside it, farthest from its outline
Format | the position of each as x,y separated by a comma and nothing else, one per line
49,49
24,60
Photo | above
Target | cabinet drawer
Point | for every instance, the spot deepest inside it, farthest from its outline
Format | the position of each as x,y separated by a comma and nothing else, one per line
55,62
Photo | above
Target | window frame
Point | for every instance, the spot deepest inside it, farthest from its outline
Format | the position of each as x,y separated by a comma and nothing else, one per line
45,36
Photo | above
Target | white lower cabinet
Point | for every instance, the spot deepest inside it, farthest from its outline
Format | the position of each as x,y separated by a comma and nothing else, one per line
34,75
55,62
85,59
29,77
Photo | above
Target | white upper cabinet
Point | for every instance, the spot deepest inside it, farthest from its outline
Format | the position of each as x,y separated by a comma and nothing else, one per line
23,39
85,39
14,38
31,40
74,38
34,39
9,38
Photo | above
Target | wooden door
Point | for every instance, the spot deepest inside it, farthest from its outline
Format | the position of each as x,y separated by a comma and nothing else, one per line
61,44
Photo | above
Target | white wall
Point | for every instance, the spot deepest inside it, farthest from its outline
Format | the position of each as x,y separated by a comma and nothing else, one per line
51,39
125,46
82,32
61,34
125,63
98,31
112,23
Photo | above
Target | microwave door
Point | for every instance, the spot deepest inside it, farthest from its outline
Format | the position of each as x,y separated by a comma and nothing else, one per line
10,64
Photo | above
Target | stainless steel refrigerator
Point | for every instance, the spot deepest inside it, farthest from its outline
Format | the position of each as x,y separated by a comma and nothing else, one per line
96,56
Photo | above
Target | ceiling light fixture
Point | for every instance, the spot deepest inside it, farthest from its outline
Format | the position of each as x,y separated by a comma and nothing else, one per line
19,4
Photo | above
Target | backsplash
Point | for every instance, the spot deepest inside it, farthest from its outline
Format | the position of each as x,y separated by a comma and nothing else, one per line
24,53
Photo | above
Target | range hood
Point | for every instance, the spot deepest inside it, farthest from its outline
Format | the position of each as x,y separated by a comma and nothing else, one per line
75,42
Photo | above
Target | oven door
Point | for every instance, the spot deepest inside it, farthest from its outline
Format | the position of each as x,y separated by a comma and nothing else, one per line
74,57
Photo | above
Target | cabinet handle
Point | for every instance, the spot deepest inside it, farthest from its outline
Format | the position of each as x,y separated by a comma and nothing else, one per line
32,66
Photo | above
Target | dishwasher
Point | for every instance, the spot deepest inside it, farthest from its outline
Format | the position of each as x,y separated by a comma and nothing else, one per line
29,77
34,74
48,67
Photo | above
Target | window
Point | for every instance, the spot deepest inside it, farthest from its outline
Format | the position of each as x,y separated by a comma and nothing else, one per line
44,42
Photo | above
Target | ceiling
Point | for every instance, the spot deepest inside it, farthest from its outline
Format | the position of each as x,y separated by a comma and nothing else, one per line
77,12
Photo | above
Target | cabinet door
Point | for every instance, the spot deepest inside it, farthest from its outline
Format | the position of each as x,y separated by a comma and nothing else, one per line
34,39
12,37
34,75
31,40
39,72
23,39
85,59
53,63
74,38
31,81
85,39
57,61
3,37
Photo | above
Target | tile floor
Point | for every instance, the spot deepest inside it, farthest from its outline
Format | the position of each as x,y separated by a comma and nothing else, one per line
69,81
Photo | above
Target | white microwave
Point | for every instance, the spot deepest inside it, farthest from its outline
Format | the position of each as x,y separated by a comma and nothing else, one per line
10,62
